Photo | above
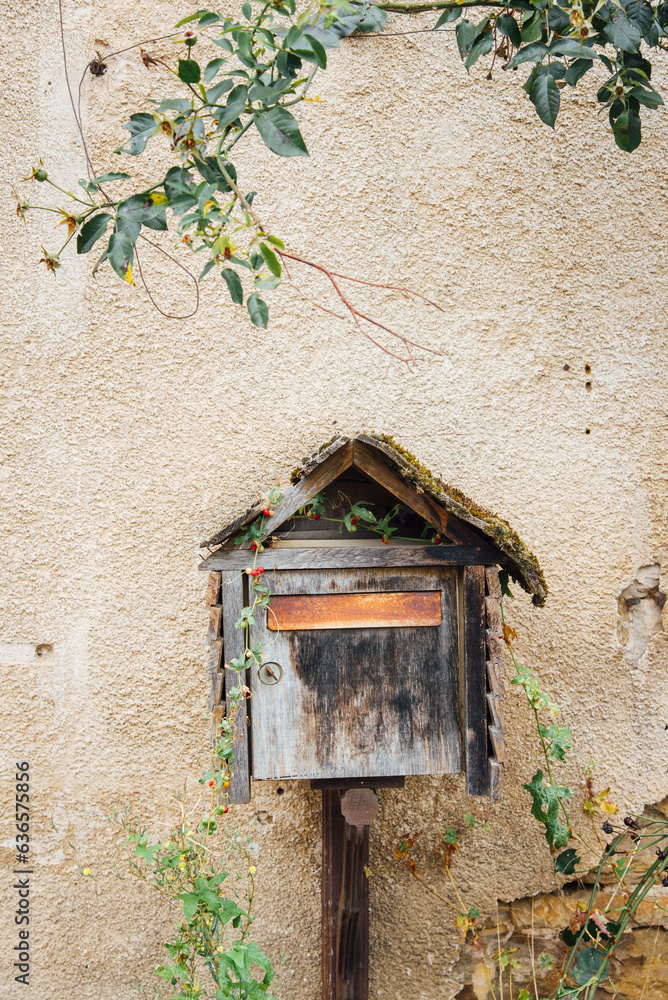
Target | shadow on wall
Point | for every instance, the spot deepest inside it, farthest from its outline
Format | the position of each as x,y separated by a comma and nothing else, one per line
639,607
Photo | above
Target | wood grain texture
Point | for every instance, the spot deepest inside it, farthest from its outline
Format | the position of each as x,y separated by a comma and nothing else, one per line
359,702
495,773
369,461
215,628
299,494
345,905
212,589
477,770
493,611
233,602
350,558
498,744
216,690
214,658
492,581
384,610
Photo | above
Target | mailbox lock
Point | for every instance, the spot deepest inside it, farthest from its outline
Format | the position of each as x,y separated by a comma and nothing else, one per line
270,672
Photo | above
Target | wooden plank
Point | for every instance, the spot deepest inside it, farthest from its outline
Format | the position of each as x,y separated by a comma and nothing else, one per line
381,781
214,658
341,688
345,905
493,677
299,494
492,581
217,688
495,710
498,743
494,649
495,773
477,771
369,461
212,589
389,609
493,609
215,622
362,557
233,602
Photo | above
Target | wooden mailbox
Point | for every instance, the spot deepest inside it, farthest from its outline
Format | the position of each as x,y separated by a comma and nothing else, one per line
384,660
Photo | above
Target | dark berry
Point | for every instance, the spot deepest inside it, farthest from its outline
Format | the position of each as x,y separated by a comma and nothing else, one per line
607,827
665,881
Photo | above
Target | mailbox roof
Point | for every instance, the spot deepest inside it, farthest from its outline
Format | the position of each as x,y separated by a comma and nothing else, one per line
489,527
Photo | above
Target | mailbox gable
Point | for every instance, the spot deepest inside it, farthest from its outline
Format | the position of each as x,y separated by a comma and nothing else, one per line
380,647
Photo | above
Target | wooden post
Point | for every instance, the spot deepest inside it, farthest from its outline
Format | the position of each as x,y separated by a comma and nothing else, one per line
346,818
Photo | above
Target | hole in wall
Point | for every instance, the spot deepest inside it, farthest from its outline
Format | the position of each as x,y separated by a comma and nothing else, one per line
588,386
587,430
639,609
587,368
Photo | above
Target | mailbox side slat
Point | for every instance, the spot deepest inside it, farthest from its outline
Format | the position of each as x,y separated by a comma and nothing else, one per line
475,669
233,602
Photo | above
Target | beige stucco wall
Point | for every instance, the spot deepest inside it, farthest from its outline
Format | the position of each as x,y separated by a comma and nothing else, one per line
127,438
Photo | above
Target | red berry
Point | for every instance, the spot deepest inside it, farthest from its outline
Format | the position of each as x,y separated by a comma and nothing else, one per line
266,512
437,539
253,546
353,520
211,784
225,809
316,517
260,569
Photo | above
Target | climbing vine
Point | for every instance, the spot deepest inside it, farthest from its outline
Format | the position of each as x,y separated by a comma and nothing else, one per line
234,76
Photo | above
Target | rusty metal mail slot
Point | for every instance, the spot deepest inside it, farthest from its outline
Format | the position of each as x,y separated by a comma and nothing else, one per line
385,610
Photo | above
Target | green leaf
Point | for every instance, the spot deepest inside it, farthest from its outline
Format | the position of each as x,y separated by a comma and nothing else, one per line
480,47
567,861
267,284
649,98
120,254
211,70
546,98
205,270
560,740
622,33
234,285
236,104
319,55
466,33
91,232
589,963
191,17
247,11
103,178
280,132
639,13
627,131
577,70
532,27
571,47
142,207
373,20
447,16
270,259
258,311
146,853
508,26
530,53
545,808
276,241
189,71
141,127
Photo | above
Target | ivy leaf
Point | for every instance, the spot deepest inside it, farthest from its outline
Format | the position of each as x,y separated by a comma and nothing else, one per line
622,33
567,861
258,311
233,282
627,130
545,808
546,98
280,132
588,964
141,127
270,259
189,71
560,740
91,232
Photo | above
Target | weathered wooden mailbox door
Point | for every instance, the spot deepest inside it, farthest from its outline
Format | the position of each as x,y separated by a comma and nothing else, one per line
379,660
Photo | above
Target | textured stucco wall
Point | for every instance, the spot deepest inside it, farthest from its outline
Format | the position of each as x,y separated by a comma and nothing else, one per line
127,438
